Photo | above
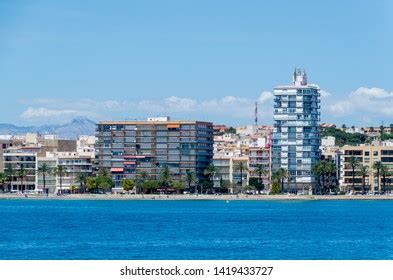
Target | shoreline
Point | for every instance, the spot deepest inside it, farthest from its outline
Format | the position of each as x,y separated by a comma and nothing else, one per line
224,197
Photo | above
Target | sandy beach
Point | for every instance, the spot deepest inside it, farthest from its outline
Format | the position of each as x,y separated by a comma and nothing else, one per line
226,197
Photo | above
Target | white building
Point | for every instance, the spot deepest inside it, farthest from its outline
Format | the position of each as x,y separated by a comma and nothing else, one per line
296,136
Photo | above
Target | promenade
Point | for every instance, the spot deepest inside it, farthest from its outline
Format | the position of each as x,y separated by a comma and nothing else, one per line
225,197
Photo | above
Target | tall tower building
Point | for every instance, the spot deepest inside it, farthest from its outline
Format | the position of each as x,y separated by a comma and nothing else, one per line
296,135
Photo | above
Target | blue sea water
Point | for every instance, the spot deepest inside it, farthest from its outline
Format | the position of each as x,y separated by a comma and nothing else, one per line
52,229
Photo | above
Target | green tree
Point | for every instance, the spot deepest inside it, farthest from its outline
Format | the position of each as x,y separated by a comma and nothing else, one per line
9,173
384,173
261,171
319,172
21,174
354,164
2,180
377,167
224,185
363,172
276,189
92,184
140,178
279,176
128,184
105,186
232,130
105,182
190,179
74,188
44,169
344,138
209,172
81,178
165,177
331,174
104,172
242,167
60,171
151,186
257,184
178,186
324,171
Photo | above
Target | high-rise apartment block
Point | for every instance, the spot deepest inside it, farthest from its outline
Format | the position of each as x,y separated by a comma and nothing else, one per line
296,135
126,148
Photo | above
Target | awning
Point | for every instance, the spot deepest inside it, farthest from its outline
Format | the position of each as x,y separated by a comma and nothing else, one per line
173,126
129,162
117,169
134,156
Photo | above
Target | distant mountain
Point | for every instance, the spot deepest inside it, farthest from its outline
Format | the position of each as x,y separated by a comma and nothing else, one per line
72,130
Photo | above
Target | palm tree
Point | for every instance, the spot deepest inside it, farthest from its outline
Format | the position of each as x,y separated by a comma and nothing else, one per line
353,163
9,173
241,166
104,172
260,170
280,175
141,177
81,178
363,171
384,173
165,177
377,167
210,171
2,180
44,169
190,178
22,173
330,169
60,171
318,172
322,170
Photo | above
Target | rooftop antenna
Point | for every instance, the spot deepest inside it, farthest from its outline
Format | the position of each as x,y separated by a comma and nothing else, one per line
256,113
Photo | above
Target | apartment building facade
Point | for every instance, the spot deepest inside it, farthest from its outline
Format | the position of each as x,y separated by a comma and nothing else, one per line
366,155
126,148
233,170
296,135
22,158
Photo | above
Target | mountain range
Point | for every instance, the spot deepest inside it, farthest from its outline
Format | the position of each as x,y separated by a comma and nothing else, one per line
72,130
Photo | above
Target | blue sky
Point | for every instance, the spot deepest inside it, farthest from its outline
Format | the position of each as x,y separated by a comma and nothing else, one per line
208,60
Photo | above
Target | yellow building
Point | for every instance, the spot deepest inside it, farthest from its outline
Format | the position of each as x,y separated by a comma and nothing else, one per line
367,155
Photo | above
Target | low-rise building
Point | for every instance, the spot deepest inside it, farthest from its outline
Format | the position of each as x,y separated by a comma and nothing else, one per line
366,155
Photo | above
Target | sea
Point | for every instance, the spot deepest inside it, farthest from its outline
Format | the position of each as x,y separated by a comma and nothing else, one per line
195,230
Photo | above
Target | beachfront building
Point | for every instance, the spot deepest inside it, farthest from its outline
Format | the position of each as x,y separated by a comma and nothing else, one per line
74,164
231,171
32,150
51,182
126,148
21,158
366,155
296,135
259,158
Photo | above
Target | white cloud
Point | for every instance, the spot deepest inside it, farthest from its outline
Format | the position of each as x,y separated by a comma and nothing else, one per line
373,104
231,108
266,96
42,113
324,93
181,104
372,93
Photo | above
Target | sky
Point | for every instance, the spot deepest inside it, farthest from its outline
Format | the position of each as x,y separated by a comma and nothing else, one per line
205,60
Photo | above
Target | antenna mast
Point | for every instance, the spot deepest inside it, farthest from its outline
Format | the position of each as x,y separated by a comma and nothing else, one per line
256,113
